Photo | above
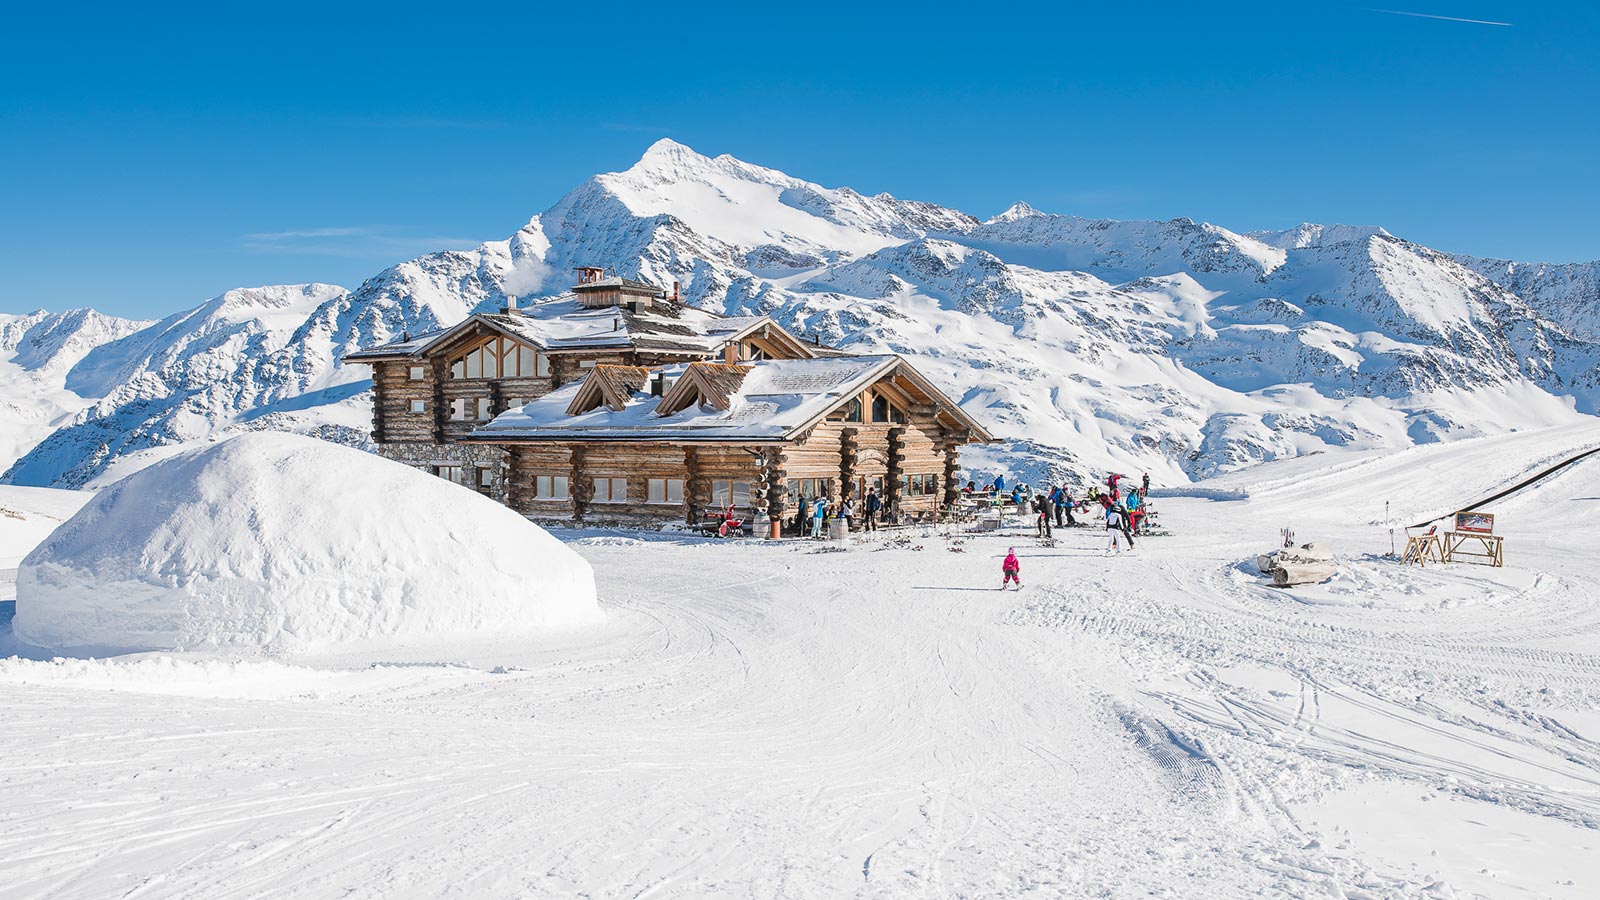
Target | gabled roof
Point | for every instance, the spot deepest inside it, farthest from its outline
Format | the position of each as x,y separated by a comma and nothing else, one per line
562,323
611,386
703,384
769,401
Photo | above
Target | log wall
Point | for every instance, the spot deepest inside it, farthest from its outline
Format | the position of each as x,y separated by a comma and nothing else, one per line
699,467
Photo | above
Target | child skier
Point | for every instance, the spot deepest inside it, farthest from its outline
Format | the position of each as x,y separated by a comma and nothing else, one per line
1113,528
1011,568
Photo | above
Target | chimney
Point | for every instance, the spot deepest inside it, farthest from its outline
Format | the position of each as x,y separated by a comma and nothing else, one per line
616,324
816,339
675,298
511,305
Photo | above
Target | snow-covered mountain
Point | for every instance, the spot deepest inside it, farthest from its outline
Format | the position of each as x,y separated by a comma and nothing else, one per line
1177,346
37,351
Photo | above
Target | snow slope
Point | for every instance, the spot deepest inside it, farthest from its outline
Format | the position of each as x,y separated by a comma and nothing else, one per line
766,719
276,541
1178,346
37,350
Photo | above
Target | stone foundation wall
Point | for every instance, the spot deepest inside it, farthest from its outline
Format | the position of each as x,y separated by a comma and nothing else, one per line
470,457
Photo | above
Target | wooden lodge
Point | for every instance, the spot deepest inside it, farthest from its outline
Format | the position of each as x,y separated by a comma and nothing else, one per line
617,404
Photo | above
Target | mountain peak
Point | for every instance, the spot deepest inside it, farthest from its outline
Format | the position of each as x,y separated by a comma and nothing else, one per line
1017,210
1311,234
668,154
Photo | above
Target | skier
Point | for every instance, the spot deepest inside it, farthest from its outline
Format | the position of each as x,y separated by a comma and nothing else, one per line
1041,514
1135,510
873,504
1058,499
1011,568
1113,528
999,483
1146,485
819,512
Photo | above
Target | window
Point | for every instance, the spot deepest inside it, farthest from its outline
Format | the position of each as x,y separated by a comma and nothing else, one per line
517,402
850,412
458,410
610,490
484,409
500,357
896,416
449,473
586,364
419,406
808,489
730,493
919,485
665,490
417,373
550,487
485,478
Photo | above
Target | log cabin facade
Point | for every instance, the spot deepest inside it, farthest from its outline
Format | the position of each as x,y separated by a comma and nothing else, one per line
614,404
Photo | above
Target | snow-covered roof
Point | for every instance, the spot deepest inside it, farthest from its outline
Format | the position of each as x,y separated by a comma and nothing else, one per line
767,400
564,323
617,281
773,400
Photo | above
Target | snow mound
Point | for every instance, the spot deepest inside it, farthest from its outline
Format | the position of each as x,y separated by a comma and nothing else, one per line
278,542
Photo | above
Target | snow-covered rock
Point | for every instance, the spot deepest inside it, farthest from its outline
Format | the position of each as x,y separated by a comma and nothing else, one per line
280,542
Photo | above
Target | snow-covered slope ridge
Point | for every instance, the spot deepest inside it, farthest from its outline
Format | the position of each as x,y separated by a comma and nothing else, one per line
1179,347
37,350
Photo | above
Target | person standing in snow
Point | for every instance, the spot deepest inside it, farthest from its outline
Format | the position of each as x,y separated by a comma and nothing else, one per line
1041,515
847,511
1135,504
999,483
1058,500
1011,569
1113,528
873,504
1146,484
819,513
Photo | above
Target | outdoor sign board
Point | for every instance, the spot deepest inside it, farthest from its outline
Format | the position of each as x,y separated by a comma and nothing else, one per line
1475,522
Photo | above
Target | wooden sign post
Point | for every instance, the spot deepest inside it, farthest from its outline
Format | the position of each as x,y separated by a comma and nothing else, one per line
1473,538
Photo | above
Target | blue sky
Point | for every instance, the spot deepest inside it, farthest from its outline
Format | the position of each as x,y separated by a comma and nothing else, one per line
150,159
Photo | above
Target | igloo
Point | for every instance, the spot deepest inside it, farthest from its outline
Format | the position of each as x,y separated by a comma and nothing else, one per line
277,542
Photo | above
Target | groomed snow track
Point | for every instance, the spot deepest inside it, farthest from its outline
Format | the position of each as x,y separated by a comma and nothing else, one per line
760,720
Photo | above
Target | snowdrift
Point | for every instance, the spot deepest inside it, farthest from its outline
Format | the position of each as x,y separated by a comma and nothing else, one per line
278,542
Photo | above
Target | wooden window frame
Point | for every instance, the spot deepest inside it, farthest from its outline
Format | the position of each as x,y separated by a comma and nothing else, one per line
611,482
666,491
544,487
418,407
501,350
